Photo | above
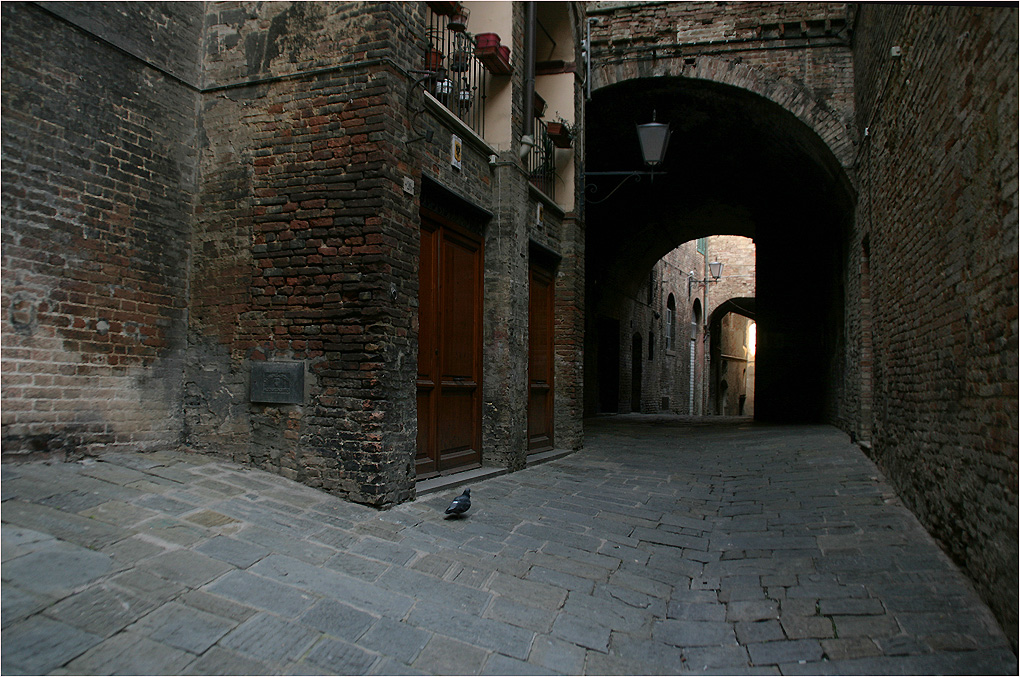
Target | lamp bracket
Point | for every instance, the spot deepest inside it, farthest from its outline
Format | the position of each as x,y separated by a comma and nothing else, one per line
636,175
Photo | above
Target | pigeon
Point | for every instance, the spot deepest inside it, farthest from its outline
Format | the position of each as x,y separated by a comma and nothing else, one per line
460,504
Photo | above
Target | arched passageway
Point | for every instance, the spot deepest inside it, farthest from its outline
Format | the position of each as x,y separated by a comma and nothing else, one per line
737,164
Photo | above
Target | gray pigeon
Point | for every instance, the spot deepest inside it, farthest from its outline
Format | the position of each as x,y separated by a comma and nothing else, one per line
460,504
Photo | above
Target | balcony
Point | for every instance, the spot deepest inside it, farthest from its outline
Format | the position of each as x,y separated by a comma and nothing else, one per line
541,161
457,77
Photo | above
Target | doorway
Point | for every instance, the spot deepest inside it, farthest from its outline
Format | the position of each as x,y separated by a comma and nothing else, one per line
540,358
449,348
608,331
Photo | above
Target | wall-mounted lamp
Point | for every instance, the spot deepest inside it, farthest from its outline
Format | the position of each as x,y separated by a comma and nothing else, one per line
714,269
653,138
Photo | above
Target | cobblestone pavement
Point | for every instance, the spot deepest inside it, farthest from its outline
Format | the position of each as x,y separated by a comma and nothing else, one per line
667,545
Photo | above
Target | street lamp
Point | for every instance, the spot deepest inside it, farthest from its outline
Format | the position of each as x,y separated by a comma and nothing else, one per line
653,138
714,269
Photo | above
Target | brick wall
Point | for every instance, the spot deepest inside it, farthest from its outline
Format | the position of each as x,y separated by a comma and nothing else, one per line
306,245
98,189
937,218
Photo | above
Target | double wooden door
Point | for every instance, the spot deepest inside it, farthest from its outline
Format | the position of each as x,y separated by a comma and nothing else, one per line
540,359
449,348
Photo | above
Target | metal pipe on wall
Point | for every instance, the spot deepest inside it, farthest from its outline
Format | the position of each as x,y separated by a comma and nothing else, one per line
530,54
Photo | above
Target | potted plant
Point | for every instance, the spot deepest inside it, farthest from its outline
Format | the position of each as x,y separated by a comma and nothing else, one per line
460,61
458,19
560,133
539,106
433,59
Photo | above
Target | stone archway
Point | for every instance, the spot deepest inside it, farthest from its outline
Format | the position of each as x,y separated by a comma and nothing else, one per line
834,132
739,163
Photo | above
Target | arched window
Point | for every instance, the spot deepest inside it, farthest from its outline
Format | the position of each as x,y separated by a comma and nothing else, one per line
670,323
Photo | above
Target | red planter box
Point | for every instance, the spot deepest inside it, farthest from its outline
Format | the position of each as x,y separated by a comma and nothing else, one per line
487,40
496,59
558,134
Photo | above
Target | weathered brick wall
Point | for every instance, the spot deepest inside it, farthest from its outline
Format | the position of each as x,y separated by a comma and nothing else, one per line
98,187
937,215
666,370
305,243
793,53
738,256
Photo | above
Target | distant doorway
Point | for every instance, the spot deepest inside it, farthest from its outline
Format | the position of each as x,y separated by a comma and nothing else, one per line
635,374
608,365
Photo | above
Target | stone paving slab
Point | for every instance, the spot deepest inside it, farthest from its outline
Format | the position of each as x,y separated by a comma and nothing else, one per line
667,546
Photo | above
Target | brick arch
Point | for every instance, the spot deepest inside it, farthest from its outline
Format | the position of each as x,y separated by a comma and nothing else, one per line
821,119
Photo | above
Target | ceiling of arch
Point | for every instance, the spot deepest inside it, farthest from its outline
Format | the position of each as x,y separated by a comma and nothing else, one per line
737,164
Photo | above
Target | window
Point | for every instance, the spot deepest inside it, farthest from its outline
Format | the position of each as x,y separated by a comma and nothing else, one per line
651,346
670,323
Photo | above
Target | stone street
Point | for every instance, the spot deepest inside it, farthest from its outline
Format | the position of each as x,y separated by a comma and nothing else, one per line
667,545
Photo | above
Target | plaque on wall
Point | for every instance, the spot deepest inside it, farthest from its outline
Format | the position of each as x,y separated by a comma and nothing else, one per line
278,382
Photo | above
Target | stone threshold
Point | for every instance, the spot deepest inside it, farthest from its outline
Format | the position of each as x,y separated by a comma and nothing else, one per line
445,482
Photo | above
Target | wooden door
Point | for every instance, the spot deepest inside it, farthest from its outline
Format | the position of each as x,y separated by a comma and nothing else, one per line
540,359
449,348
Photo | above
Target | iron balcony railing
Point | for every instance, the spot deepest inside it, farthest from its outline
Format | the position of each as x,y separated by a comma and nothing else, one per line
542,160
456,77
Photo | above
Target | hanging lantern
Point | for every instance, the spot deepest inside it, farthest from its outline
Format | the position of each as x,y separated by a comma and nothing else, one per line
654,139
444,87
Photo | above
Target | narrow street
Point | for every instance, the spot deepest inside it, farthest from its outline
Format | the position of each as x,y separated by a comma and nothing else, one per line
666,545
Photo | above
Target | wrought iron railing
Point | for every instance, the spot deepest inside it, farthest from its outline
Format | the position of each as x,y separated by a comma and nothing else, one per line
542,160
456,76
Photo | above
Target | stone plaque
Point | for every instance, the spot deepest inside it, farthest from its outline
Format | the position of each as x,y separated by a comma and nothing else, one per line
278,382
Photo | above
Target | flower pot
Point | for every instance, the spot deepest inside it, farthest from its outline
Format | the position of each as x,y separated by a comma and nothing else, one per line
559,134
539,106
460,61
433,60
458,20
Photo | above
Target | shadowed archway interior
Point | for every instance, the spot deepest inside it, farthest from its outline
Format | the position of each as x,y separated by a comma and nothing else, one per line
737,164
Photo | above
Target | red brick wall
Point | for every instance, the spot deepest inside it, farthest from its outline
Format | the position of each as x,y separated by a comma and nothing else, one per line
938,207
306,245
98,188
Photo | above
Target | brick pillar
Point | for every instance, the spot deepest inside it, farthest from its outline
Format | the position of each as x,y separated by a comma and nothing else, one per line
505,390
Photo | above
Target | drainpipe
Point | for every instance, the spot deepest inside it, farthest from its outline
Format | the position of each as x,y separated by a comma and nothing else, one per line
530,52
